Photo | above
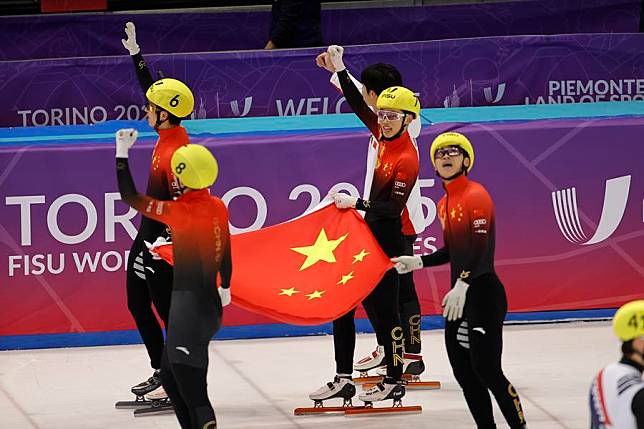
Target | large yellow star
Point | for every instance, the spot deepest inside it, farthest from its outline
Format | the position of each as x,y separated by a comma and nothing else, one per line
316,294
289,292
346,278
322,250
360,256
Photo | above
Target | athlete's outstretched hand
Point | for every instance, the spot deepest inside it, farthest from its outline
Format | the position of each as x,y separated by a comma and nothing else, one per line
407,264
344,201
125,138
224,294
130,43
335,57
454,301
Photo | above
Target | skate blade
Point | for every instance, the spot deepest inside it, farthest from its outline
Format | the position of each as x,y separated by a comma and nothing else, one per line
373,379
423,385
130,405
311,411
411,385
155,410
370,411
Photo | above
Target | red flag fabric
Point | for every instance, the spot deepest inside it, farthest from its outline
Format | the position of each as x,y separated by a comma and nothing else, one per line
307,271
165,252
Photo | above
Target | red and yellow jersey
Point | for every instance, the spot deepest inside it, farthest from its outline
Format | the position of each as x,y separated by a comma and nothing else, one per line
162,184
396,168
200,234
394,177
466,213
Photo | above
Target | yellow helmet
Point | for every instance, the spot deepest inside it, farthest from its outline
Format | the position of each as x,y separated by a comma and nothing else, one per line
194,166
452,139
399,98
628,322
173,96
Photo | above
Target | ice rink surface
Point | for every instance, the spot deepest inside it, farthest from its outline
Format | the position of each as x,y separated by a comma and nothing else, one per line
258,383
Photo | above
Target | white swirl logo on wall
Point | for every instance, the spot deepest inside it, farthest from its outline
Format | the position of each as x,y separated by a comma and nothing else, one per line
590,91
564,204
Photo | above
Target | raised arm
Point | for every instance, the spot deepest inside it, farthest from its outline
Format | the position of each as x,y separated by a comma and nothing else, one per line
351,91
142,72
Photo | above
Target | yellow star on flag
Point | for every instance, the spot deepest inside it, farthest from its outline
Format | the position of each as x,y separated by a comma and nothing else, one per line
346,278
289,292
321,250
360,256
316,294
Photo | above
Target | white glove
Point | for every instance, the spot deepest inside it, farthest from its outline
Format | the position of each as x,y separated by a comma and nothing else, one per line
158,242
130,44
224,295
324,62
335,56
454,301
407,264
344,201
125,138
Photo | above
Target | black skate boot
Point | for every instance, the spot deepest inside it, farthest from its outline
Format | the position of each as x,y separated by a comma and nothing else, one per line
148,385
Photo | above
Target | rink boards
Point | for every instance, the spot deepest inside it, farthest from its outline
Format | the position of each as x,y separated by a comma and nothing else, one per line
566,181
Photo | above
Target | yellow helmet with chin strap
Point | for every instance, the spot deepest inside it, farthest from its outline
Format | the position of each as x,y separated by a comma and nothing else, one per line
399,98
628,322
172,95
452,139
194,166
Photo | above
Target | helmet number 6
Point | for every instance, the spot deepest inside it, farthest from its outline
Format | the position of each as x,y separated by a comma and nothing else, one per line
174,102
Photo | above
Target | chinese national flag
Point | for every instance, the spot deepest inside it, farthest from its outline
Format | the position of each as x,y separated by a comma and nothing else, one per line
307,271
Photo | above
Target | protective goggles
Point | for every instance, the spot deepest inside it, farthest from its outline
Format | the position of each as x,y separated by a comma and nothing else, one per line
389,115
450,151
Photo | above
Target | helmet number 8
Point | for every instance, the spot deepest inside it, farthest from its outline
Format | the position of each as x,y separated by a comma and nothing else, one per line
174,102
179,168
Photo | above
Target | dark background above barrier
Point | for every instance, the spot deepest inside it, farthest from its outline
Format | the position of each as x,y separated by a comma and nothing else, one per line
99,34
446,73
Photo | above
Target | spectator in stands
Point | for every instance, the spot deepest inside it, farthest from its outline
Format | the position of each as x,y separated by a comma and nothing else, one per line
295,24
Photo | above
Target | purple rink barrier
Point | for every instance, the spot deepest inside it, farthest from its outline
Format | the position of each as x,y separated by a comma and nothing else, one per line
64,233
60,36
449,73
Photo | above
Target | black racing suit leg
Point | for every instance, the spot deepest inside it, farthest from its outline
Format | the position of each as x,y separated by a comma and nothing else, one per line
139,303
410,315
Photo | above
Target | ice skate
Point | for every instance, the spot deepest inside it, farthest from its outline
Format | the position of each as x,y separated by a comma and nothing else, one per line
340,387
157,395
382,392
159,403
148,385
140,390
413,367
373,360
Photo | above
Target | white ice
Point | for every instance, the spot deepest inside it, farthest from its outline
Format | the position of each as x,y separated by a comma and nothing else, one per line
258,383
